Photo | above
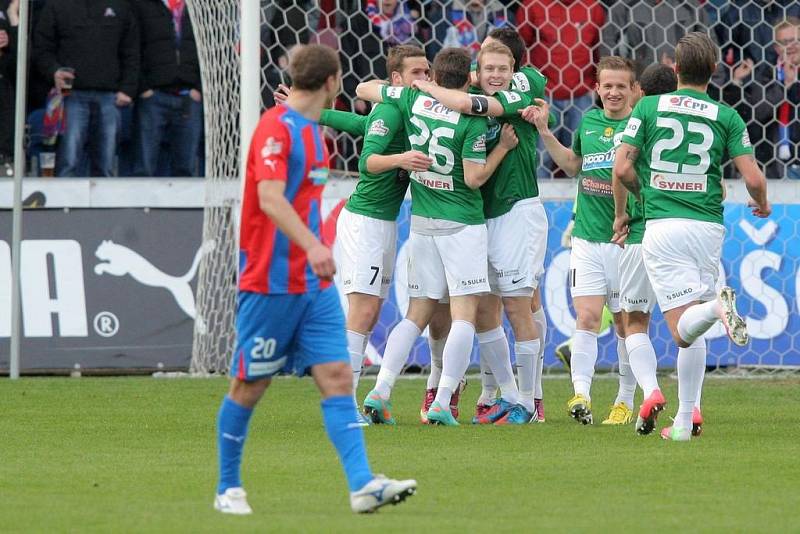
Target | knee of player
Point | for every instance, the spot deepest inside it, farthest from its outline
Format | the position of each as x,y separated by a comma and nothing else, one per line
247,393
363,317
588,319
334,378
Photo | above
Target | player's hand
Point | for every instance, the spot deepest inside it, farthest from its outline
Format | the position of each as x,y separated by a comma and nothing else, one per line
621,230
281,93
508,137
762,211
422,85
320,258
566,237
538,114
414,160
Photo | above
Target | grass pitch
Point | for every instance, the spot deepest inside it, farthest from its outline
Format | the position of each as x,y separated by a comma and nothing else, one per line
138,454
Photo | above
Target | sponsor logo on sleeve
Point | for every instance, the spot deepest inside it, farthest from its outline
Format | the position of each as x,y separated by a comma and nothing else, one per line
511,97
480,144
394,92
271,146
378,128
319,175
746,139
618,139
632,128
426,106
687,105
684,183
521,83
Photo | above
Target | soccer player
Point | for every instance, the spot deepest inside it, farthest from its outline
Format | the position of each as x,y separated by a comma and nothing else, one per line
516,224
636,293
528,80
448,234
594,261
681,139
288,314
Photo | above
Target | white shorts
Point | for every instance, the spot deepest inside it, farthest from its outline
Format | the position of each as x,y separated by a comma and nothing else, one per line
682,260
365,253
517,245
594,270
452,264
636,292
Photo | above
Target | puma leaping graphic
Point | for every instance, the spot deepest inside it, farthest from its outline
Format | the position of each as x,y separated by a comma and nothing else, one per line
120,261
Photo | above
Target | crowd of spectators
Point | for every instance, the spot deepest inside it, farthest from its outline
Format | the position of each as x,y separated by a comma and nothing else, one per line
117,82
115,87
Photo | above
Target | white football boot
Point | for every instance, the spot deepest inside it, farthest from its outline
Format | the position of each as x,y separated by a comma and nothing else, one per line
233,501
381,491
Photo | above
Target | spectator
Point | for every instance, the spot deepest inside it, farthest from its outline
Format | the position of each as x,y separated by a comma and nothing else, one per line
99,41
647,31
393,21
767,97
471,21
169,113
9,20
745,28
563,36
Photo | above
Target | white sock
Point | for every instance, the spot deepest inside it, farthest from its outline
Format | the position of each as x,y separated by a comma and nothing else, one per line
700,388
437,349
627,381
494,351
642,357
488,381
540,318
398,346
455,362
584,356
691,367
697,319
527,353
355,347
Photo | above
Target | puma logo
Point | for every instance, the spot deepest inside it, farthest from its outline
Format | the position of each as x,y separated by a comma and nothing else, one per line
270,163
120,261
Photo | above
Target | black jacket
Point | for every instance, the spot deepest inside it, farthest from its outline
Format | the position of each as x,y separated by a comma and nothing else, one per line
165,65
97,38
8,55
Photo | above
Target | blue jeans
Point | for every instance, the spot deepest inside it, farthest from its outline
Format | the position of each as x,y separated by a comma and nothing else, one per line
168,130
569,113
92,128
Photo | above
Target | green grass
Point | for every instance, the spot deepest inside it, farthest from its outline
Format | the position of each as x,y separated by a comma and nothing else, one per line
138,454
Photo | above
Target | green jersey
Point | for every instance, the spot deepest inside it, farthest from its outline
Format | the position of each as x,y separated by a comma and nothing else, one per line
377,195
448,138
594,144
682,138
529,81
634,208
515,177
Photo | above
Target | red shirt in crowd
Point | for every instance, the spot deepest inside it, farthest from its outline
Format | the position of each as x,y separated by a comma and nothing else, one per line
561,35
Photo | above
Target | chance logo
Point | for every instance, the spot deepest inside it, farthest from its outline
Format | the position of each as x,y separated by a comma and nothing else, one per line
119,260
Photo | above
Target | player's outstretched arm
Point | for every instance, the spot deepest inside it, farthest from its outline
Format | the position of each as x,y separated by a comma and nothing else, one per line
411,160
539,116
624,167
460,101
756,184
370,91
273,203
344,121
476,174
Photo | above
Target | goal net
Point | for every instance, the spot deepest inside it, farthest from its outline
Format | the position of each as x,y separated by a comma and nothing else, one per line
760,261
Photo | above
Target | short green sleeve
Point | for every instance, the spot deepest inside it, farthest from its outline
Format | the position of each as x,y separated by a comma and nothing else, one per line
634,131
738,138
385,122
474,148
513,102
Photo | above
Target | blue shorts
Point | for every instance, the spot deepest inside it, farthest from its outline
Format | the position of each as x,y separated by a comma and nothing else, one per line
288,333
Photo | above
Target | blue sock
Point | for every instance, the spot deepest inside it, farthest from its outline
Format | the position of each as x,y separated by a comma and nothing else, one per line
232,422
339,414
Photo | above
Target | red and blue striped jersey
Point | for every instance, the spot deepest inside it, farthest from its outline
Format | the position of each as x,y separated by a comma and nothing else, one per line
289,147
